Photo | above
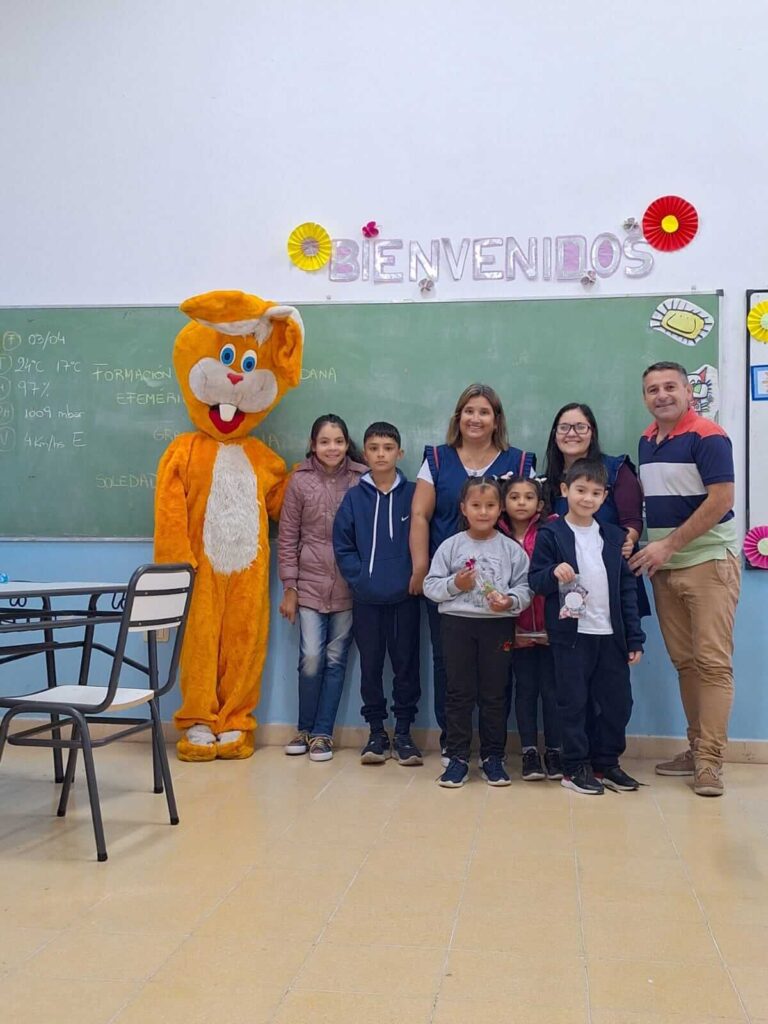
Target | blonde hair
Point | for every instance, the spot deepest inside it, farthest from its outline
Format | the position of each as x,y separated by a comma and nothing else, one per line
499,438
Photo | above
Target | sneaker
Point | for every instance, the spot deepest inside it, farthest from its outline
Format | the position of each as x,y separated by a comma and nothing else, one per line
405,750
682,764
444,759
708,780
494,772
583,781
532,770
320,748
299,744
376,750
455,774
552,764
617,779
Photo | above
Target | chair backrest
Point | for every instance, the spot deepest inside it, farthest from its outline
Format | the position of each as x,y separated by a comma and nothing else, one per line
157,597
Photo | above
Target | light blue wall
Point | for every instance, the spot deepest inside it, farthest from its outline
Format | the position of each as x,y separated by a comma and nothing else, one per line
657,709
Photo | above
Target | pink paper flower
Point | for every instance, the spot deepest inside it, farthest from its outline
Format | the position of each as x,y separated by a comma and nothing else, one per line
371,229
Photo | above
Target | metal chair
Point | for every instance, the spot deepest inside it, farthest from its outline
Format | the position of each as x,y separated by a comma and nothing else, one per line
157,597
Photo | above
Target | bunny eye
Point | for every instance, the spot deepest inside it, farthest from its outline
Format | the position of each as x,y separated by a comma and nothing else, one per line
248,362
227,355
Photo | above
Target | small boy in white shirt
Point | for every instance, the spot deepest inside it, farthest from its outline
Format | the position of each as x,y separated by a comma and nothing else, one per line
594,631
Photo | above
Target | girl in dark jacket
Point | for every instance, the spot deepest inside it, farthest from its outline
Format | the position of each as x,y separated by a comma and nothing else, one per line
532,672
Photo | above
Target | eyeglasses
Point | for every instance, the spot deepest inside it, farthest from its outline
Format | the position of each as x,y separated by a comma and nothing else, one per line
580,429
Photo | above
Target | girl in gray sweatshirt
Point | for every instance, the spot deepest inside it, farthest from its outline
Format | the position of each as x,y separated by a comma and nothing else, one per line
479,579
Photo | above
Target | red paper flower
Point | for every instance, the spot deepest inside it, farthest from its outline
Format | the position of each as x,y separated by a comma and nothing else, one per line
470,564
670,223
371,229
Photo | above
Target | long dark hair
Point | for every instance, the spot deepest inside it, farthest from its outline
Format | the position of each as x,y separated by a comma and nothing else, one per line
353,452
468,485
554,466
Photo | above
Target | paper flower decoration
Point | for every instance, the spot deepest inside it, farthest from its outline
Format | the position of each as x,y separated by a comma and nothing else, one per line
756,547
757,322
670,223
371,229
309,246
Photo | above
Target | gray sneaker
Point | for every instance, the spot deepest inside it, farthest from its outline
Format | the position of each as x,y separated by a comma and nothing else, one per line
682,764
320,748
298,745
708,780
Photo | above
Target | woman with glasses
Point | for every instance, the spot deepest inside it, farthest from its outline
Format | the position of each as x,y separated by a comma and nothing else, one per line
574,436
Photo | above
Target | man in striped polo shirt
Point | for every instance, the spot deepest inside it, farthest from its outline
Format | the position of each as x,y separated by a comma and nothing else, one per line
686,469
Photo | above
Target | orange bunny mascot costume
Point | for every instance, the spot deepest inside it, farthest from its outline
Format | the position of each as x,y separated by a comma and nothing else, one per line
215,488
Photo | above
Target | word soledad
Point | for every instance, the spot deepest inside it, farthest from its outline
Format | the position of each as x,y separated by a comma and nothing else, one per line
562,258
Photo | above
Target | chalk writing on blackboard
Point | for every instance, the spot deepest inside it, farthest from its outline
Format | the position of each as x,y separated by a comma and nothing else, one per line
315,373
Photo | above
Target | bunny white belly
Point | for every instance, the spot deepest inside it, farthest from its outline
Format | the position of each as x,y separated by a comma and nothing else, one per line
231,527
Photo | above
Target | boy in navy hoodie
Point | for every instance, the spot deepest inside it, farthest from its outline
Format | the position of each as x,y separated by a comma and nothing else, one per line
370,540
594,648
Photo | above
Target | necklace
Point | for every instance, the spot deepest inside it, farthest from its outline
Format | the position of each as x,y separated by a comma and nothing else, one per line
478,460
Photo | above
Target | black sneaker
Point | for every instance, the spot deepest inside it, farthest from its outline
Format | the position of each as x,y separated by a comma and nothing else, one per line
532,770
405,750
376,750
583,781
552,763
455,775
494,772
617,780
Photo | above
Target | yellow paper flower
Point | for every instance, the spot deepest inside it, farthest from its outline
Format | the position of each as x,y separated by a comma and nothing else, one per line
309,246
757,322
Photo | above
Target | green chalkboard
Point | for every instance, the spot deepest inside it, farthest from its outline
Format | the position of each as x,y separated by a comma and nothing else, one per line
89,402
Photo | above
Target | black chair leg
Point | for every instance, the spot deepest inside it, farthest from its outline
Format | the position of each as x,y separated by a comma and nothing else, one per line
69,774
162,756
58,768
93,790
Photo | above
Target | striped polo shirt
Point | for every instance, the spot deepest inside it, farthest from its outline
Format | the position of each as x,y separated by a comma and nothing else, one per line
675,474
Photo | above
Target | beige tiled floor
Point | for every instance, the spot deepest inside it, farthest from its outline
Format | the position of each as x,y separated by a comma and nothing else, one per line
296,892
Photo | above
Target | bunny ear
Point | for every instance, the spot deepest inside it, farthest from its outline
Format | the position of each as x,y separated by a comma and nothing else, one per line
285,331
282,313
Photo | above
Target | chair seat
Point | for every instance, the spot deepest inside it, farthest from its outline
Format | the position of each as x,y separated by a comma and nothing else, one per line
125,697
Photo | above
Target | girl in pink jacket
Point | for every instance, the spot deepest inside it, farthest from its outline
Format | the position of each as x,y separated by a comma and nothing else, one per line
313,586
532,669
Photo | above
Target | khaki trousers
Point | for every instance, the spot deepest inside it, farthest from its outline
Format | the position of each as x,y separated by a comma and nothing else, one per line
696,608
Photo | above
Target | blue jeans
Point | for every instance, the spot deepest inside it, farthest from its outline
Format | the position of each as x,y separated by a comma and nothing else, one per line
324,639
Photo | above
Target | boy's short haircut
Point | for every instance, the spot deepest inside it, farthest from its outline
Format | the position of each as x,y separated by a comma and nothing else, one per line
591,470
382,429
666,365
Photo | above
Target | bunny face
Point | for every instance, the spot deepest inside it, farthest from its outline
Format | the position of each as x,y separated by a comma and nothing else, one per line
233,372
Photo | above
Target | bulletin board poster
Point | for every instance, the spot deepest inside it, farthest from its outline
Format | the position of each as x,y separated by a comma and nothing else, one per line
756,542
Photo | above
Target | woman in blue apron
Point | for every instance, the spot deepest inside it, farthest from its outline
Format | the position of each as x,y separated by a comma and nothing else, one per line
574,436
476,445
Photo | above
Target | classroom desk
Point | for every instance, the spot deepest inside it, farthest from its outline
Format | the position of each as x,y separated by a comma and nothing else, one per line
28,607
